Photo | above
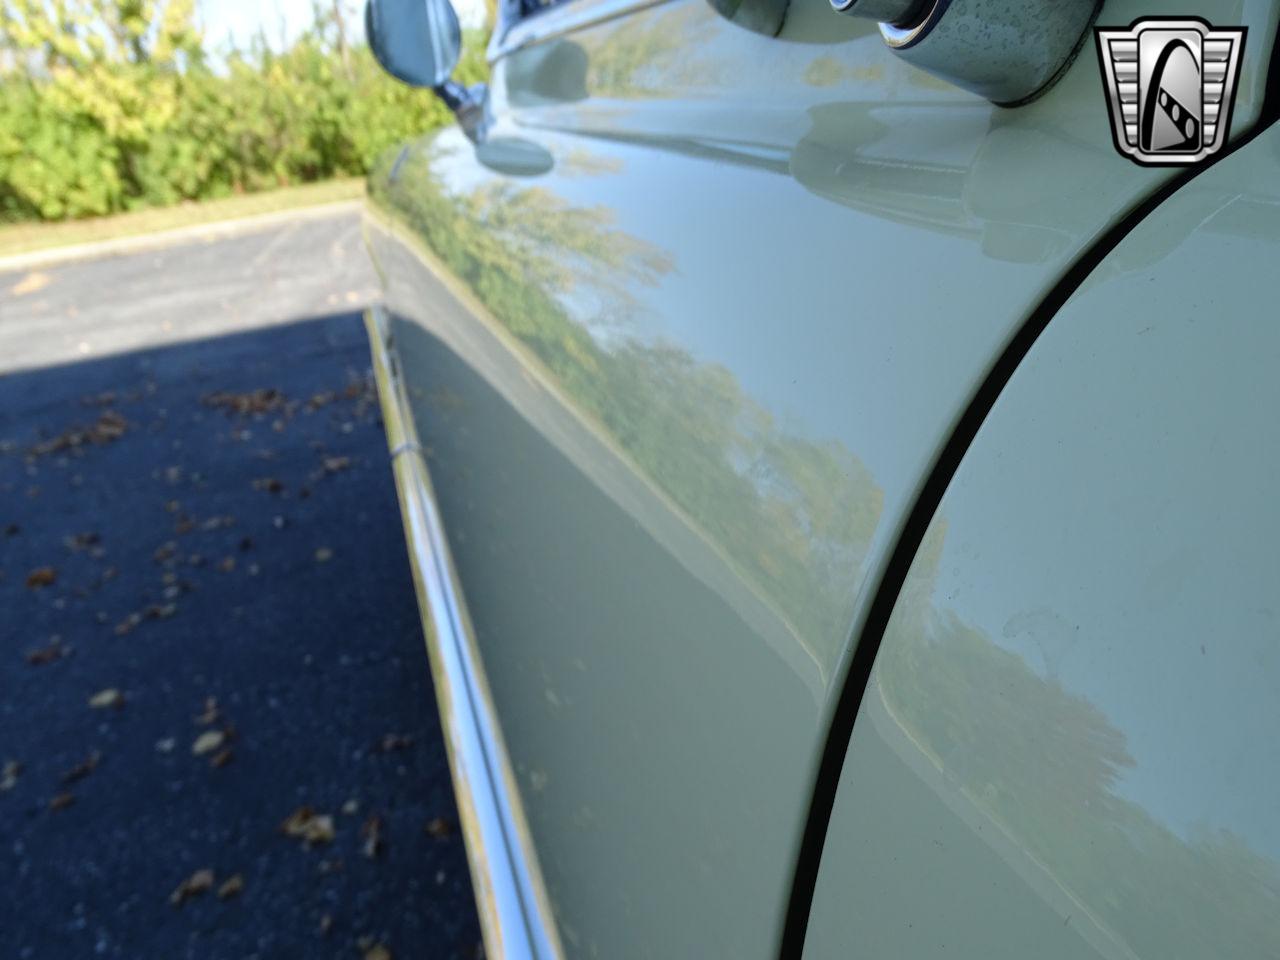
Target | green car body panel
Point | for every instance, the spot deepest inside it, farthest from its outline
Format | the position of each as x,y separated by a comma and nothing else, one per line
682,342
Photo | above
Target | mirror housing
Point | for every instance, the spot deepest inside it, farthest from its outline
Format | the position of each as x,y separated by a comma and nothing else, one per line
419,42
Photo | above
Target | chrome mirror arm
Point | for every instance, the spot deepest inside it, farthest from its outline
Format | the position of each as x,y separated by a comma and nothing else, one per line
469,104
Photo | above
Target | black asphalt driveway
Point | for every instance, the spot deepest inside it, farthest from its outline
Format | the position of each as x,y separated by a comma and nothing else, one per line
217,731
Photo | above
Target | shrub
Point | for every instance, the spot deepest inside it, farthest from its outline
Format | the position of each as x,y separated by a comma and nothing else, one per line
111,105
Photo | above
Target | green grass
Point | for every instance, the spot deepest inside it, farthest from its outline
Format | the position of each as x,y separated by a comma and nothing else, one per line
27,237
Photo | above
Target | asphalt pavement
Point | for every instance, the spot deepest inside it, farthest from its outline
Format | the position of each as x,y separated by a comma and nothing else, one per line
217,731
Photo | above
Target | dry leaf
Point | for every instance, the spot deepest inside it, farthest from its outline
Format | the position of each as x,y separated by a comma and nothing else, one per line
9,775
372,833
107,699
241,404
227,564
199,882
377,951
81,541
42,577
221,758
231,887
82,769
50,653
323,555
208,742
269,484
109,427
391,742
61,801
210,714
336,464
439,828
310,827
128,624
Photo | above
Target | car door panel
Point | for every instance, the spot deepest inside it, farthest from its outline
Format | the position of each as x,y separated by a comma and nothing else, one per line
680,388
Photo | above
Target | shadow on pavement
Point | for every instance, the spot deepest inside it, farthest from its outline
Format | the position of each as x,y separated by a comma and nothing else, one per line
204,541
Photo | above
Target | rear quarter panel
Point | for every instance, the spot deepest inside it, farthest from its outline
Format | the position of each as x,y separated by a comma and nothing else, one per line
1067,748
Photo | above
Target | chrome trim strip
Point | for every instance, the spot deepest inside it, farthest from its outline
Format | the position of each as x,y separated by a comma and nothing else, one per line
515,913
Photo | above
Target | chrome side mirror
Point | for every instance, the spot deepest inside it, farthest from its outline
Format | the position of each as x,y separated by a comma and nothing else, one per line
419,42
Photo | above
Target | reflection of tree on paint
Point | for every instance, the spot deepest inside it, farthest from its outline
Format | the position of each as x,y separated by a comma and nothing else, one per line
655,57
1043,762
794,516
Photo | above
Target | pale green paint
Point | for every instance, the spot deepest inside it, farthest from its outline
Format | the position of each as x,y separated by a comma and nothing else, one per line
682,393
1068,745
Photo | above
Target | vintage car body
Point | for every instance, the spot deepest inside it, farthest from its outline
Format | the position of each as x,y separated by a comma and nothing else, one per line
841,507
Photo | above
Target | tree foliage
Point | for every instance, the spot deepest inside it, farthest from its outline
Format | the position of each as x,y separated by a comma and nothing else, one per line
110,105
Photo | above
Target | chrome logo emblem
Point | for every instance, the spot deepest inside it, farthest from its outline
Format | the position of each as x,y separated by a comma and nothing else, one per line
1171,85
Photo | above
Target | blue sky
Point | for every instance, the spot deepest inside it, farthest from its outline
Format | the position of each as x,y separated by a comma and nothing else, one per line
283,20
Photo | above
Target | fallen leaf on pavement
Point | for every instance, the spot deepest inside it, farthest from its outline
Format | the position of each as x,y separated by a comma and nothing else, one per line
82,769
128,624
372,833
109,427
439,828
210,713
310,827
199,882
111,698
221,758
231,887
377,951
208,742
269,484
336,464
42,577
255,401
52,652
392,742
81,541
61,801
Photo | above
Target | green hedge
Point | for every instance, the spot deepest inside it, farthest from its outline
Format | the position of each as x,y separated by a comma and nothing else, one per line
116,107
